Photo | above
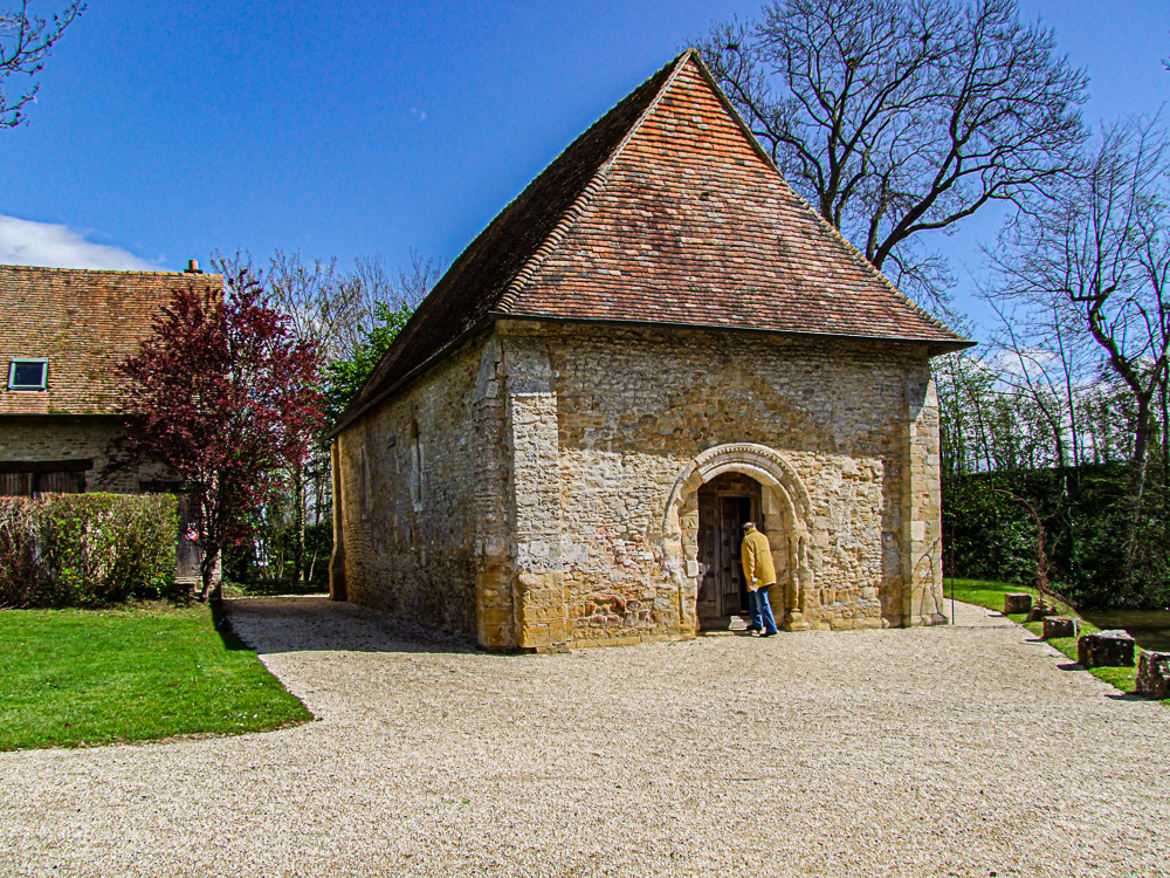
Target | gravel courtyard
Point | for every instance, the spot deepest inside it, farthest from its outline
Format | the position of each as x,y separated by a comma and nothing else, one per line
964,750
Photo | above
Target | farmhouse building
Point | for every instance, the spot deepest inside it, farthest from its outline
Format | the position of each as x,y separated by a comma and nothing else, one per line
64,333
657,340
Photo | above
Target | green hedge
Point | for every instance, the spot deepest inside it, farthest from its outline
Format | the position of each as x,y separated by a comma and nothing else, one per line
989,535
86,549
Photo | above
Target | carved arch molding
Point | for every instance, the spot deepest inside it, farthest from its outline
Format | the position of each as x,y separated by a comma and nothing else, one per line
787,520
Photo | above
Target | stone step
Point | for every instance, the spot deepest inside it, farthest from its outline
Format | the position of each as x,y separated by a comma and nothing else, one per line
717,626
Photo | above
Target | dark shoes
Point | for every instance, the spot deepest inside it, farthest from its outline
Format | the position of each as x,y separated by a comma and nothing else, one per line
752,629
769,634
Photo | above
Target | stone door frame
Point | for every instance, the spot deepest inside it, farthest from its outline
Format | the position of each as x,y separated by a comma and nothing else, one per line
787,514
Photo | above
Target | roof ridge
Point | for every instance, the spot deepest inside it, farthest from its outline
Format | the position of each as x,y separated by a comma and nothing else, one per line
595,185
146,271
500,273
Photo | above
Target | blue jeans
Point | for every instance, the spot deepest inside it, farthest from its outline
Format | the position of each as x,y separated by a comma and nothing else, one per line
761,609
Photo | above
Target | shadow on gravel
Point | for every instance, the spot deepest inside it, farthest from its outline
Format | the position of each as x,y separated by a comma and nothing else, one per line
1070,666
1125,696
299,624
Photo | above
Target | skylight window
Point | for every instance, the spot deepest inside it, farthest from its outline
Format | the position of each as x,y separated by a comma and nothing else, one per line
28,374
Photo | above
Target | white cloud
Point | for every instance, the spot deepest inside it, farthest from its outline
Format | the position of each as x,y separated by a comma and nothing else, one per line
421,115
27,242
1030,361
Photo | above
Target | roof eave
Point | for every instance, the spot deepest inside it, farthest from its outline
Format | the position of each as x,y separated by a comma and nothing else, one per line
940,345
349,418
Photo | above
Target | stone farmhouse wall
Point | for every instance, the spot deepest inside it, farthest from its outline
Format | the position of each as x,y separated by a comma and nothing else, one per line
560,465
61,437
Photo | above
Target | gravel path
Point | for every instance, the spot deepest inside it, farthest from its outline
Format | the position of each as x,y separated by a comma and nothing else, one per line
963,750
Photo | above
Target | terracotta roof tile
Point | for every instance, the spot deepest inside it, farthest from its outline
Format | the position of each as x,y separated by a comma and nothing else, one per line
85,323
665,211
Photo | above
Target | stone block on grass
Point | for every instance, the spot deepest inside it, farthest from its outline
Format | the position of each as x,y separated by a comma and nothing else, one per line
1105,649
1016,602
1153,675
1059,626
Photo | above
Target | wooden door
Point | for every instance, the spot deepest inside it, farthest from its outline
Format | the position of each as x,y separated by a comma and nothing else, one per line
725,503
59,483
16,484
734,511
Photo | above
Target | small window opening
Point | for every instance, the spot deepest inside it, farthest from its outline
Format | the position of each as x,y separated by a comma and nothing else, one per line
28,374
416,467
365,483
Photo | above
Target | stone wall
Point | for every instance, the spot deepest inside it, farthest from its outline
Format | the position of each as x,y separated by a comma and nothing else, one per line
539,488
922,596
407,472
62,437
849,433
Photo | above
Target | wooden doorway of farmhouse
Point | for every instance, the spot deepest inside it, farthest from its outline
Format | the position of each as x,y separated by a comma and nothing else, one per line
725,503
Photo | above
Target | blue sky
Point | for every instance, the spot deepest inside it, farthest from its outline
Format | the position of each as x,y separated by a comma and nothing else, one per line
163,131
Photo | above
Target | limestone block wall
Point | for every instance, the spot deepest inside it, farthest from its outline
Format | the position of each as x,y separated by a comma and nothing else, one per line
537,526
539,488
407,477
851,430
62,437
493,505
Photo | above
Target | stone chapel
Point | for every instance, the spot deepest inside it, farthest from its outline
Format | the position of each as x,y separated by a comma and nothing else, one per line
657,340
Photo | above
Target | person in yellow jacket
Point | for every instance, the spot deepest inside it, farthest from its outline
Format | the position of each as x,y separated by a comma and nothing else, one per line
759,573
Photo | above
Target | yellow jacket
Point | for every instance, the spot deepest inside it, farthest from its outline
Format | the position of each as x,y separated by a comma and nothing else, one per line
756,556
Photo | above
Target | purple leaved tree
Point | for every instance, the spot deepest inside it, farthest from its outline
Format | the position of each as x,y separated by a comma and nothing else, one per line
225,397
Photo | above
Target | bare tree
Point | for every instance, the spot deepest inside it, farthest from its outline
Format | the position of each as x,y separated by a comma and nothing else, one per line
335,311
965,389
25,42
1097,256
899,117
323,304
338,309
1048,368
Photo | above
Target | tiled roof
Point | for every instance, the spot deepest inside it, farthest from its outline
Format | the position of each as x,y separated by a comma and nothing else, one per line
85,323
665,211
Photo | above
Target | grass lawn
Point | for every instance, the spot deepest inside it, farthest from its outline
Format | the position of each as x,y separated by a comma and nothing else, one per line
990,595
77,677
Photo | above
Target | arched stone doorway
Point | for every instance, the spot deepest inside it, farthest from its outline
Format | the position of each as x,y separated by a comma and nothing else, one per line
784,512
